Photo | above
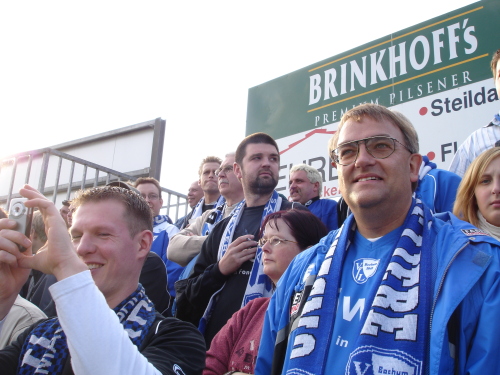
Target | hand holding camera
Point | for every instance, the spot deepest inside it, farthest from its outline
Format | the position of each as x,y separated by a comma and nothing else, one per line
22,215
57,257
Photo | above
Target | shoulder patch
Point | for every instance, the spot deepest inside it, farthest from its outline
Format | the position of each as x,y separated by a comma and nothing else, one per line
474,232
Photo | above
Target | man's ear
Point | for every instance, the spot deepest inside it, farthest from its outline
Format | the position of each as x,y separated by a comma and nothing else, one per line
144,240
316,187
415,161
237,171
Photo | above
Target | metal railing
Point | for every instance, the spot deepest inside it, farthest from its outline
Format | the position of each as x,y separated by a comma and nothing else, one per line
179,206
39,166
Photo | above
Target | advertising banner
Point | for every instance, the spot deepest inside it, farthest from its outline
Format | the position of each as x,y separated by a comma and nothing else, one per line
437,73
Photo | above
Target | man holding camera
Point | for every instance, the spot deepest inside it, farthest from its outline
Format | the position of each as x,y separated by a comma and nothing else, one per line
106,324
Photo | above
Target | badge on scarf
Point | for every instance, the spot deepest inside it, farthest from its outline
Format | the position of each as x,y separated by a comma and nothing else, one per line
374,360
363,269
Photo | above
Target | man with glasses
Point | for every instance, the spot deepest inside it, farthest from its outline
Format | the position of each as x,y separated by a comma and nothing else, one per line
437,188
396,289
186,244
228,272
163,229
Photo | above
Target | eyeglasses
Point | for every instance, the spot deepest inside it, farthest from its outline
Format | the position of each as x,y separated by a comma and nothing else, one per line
273,241
151,197
226,170
379,147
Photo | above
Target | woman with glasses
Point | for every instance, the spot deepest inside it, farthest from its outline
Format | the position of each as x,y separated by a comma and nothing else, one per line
478,196
285,234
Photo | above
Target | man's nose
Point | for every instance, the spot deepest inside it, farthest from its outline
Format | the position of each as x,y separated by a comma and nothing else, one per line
364,157
85,246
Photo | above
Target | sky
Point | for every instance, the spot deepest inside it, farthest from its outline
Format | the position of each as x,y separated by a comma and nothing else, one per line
74,69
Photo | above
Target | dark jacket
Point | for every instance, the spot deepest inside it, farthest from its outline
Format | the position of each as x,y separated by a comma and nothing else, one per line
168,344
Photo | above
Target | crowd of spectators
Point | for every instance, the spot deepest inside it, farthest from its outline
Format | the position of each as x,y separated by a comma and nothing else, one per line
401,275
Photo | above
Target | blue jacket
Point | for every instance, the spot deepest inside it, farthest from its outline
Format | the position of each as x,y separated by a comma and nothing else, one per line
466,266
438,190
326,211
162,231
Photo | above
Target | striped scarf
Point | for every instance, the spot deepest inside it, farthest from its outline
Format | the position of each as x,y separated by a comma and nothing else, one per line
395,334
259,284
46,350
214,217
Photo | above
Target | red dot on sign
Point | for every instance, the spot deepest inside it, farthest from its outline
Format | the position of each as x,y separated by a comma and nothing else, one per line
431,155
423,111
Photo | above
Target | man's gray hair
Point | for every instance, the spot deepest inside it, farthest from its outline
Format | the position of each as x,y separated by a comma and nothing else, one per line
312,174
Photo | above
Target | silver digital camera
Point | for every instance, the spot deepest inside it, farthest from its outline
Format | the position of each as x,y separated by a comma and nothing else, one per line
22,215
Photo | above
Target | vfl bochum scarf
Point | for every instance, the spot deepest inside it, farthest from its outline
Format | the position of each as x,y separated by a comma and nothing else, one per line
395,334
46,350
198,209
214,217
259,284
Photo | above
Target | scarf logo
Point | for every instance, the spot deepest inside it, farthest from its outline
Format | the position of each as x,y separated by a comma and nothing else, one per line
374,360
178,370
363,269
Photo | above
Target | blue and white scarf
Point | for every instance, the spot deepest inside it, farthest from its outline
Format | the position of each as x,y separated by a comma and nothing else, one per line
214,217
259,284
425,168
395,334
198,209
46,350
158,219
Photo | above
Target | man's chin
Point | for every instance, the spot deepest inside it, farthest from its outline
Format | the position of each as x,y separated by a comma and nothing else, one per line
263,186
263,189
212,190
